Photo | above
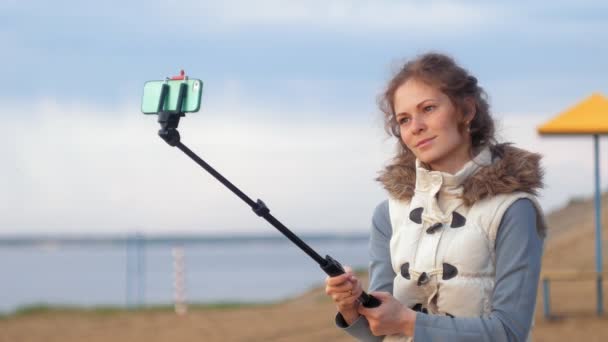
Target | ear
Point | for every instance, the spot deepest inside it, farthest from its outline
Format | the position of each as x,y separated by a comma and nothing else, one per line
470,109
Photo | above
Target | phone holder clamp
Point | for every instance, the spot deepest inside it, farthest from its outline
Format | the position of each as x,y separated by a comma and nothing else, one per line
169,119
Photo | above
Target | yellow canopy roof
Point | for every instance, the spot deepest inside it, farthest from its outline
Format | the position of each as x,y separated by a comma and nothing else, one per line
588,117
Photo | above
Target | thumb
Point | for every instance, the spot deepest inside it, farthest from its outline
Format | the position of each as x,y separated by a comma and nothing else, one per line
380,296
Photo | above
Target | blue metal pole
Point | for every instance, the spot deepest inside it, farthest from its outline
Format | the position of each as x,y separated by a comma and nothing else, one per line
598,226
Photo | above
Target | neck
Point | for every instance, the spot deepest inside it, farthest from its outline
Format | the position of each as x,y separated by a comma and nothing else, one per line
454,161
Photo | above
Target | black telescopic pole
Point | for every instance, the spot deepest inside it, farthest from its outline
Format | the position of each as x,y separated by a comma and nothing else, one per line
169,120
258,207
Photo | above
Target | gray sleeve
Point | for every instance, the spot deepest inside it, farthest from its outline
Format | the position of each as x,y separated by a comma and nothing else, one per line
380,270
518,261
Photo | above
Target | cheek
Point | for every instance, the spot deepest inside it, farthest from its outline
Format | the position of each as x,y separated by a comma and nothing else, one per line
406,138
449,129
451,132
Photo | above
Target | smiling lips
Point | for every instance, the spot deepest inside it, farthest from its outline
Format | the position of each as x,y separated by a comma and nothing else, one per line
424,142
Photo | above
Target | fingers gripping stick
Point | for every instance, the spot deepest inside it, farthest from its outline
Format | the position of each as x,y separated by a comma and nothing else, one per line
333,268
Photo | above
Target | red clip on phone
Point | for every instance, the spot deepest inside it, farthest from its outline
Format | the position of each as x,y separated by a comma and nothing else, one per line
182,76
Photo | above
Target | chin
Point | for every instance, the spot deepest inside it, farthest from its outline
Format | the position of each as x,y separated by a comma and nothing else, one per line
429,157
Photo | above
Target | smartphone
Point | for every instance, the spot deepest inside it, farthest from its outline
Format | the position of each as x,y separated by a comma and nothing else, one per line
151,96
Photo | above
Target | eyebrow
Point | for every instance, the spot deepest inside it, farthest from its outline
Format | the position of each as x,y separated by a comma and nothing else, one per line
417,106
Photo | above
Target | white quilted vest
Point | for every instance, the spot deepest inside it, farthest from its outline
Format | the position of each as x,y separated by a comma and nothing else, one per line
442,251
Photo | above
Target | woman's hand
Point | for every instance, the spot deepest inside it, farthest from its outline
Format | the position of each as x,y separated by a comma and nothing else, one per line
344,290
391,317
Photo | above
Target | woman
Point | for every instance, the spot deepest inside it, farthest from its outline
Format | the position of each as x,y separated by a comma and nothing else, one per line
456,249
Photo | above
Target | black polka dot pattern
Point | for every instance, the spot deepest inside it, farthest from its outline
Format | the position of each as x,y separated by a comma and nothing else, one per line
416,215
432,229
405,270
423,279
457,220
418,307
449,271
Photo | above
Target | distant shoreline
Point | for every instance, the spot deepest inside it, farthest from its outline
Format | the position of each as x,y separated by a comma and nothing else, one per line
177,239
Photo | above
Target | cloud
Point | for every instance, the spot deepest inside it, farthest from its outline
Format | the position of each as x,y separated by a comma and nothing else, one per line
77,168
187,21
416,19
212,17
348,16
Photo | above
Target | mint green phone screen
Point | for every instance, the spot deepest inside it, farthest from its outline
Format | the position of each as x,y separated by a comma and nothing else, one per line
192,102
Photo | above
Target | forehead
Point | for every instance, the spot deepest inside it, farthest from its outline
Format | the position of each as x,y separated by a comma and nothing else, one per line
413,92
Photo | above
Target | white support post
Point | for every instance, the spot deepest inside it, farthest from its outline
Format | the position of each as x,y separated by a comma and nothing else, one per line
179,282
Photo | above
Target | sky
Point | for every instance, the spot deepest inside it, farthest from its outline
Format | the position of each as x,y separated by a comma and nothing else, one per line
289,109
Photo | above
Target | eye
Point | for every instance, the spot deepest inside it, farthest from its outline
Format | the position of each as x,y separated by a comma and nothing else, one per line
429,108
403,120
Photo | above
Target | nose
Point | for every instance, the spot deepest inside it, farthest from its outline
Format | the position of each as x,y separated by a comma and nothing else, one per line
417,125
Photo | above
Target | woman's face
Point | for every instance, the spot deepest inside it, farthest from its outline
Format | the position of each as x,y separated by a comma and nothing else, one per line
429,126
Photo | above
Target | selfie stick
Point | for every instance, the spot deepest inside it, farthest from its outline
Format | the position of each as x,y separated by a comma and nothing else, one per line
169,120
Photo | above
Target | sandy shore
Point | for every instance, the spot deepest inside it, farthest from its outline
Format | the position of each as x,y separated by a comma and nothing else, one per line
306,318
